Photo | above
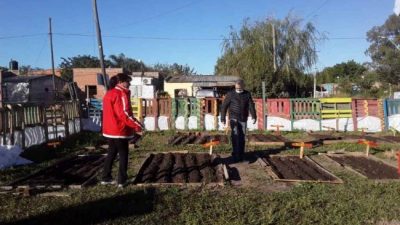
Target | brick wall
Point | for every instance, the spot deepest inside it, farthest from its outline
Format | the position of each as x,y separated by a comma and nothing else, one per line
88,76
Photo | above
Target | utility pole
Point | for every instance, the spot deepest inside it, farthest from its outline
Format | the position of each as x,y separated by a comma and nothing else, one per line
100,44
52,57
274,46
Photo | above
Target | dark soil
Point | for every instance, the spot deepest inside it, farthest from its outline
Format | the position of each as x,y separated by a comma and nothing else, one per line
265,138
392,139
370,168
294,168
197,138
324,137
73,171
178,168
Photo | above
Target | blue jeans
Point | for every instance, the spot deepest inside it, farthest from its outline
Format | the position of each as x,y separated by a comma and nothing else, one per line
238,136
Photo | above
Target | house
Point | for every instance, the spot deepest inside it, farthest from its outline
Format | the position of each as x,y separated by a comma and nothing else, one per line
34,89
181,86
88,83
146,84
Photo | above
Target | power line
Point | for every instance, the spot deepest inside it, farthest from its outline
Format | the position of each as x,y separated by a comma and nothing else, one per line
315,10
21,36
156,16
180,38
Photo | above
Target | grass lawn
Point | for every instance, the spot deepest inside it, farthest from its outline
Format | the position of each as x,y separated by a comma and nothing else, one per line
357,201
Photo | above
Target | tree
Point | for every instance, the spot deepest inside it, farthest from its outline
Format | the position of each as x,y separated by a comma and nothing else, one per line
128,64
175,69
383,51
26,69
249,53
80,61
350,71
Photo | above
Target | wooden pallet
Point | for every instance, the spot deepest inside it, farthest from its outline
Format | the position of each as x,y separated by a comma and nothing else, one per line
274,174
92,179
221,172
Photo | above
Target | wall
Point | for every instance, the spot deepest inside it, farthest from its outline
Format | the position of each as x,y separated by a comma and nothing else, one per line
88,76
170,88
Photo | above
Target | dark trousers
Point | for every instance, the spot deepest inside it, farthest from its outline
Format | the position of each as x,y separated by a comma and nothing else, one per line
238,136
121,147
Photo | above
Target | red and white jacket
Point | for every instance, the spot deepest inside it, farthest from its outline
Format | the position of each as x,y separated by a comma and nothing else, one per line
118,120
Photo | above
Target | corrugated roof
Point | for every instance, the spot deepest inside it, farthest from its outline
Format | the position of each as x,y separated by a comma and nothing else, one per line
202,78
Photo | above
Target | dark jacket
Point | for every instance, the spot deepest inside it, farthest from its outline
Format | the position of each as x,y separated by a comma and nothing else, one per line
239,105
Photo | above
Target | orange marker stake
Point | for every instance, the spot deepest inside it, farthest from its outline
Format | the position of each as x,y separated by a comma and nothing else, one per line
368,145
278,132
302,145
210,145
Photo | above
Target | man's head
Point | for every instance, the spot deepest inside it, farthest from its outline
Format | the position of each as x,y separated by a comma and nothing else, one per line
123,80
239,86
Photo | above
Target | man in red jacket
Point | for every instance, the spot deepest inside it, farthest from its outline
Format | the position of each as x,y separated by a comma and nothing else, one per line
119,126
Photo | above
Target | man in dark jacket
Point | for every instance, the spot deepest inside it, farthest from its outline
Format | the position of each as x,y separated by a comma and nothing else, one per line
239,102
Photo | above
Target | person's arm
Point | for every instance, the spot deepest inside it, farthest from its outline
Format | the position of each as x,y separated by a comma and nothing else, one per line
122,108
224,107
252,108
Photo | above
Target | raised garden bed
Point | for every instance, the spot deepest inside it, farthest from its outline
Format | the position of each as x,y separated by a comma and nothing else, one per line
181,169
74,172
266,139
369,167
196,138
294,169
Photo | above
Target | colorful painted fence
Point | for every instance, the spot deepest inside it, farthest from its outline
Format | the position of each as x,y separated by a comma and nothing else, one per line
368,115
391,109
336,114
27,125
305,114
341,114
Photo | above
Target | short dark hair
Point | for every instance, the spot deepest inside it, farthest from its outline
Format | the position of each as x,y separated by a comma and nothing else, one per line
123,77
113,82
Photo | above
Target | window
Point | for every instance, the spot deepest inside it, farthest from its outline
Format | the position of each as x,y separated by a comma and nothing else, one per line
92,90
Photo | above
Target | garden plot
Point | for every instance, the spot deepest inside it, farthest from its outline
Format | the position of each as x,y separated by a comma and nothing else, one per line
369,167
266,139
294,169
180,169
74,172
196,138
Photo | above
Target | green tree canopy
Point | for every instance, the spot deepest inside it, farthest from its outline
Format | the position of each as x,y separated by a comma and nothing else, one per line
128,64
350,71
80,61
174,69
249,53
383,52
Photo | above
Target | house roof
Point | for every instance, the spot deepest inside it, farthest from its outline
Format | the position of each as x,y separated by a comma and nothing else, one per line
21,78
228,80
146,74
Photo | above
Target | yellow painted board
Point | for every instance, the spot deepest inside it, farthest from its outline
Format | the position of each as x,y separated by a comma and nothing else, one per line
335,100
332,116
336,111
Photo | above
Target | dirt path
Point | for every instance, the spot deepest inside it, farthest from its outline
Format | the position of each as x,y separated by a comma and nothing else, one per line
250,174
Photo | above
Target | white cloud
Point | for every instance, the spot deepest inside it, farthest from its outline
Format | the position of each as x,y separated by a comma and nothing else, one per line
396,8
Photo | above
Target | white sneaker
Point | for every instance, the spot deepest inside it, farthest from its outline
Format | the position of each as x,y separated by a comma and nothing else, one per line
121,186
108,182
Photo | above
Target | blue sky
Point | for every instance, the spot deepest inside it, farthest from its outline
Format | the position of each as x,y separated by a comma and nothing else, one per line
204,20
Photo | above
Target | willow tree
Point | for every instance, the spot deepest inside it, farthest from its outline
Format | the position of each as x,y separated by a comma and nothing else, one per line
249,53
